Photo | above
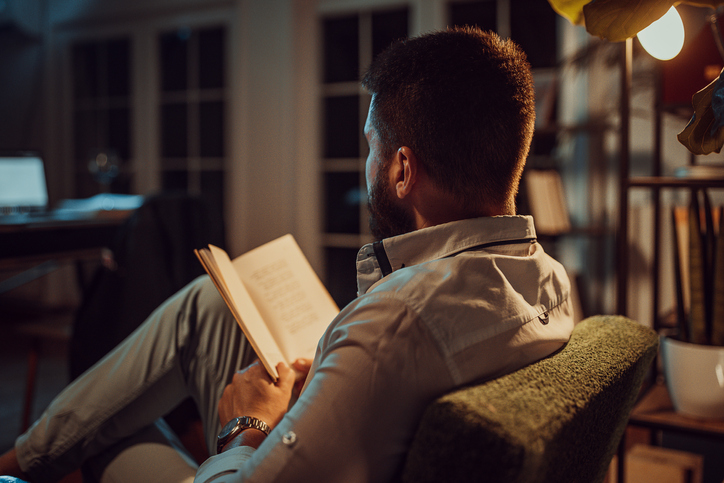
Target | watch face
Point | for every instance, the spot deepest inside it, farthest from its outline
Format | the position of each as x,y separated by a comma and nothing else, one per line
228,428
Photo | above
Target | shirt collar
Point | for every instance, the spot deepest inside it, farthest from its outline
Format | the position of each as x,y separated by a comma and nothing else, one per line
438,242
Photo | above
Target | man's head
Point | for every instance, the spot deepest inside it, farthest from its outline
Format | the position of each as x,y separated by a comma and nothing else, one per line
462,102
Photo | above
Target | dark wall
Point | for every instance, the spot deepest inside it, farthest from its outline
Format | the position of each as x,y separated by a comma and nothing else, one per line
21,89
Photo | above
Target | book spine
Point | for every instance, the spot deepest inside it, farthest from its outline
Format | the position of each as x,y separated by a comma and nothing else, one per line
717,332
679,274
697,314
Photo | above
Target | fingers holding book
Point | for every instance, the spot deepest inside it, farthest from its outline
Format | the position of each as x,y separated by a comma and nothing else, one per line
253,393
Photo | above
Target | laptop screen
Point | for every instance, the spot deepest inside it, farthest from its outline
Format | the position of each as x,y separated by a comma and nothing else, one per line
22,184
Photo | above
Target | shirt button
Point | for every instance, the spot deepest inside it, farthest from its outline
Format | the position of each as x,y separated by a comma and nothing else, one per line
543,318
289,438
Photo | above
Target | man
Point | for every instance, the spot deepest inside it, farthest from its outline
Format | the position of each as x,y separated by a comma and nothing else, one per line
457,290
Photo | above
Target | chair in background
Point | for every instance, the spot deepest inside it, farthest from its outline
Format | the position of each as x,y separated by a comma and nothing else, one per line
153,258
557,420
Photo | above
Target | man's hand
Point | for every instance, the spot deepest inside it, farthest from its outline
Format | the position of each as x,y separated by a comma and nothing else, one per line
301,371
252,393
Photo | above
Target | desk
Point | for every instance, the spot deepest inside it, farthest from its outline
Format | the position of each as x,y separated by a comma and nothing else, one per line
36,239
34,244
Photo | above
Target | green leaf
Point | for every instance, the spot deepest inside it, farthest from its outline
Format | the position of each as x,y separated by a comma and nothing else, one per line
618,20
704,133
570,9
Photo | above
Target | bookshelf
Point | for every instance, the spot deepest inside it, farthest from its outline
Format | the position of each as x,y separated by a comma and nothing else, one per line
655,182
654,409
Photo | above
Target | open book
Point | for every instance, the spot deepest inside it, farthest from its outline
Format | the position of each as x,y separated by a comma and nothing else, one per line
275,297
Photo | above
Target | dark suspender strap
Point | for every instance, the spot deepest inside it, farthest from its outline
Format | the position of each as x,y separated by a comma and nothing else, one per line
382,259
497,244
506,242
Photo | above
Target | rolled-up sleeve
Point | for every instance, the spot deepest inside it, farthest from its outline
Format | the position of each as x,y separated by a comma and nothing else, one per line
223,467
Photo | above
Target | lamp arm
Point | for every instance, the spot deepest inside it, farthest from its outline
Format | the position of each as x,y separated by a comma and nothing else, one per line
716,32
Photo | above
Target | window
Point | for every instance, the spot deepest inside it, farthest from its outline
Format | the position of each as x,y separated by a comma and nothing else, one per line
101,74
175,105
192,112
530,23
349,44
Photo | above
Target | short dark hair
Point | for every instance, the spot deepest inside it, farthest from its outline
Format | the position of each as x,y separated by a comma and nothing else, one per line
463,100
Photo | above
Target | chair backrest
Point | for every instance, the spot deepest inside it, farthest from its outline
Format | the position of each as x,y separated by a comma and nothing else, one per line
557,420
154,254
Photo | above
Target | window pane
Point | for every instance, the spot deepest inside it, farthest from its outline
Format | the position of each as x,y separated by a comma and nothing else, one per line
119,132
543,143
341,50
121,185
343,196
482,14
341,127
341,274
211,58
211,126
533,27
212,192
86,136
388,27
175,181
85,185
85,70
174,131
119,67
174,60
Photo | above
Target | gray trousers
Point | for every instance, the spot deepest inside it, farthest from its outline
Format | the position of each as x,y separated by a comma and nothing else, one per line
108,418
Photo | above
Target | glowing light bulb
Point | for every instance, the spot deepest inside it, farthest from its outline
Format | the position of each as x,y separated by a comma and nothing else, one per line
664,38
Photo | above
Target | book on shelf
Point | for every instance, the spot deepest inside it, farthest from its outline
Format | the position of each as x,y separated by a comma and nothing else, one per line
547,202
699,271
276,298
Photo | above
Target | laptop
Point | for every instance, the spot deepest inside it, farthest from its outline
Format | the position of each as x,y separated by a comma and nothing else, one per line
24,195
23,189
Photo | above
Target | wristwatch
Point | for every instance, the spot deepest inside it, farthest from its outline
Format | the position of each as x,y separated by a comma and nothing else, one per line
236,426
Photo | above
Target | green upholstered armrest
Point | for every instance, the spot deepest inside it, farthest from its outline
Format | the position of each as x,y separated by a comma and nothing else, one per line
557,420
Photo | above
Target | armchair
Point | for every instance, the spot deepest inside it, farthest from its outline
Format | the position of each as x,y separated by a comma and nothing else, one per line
557,420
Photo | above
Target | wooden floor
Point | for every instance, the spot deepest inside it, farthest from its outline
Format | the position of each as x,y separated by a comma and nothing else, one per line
51,335
16,339
52,376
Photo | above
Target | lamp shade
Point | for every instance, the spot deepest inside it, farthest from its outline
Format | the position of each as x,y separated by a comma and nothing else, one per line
664,38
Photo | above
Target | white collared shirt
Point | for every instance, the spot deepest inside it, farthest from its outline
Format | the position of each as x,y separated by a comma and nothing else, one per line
437,308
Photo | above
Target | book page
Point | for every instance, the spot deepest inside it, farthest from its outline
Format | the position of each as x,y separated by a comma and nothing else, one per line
245,312
288,294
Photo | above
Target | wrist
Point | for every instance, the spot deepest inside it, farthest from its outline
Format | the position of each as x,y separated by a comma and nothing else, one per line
237,427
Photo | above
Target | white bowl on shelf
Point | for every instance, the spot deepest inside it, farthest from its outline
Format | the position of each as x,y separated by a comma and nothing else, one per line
695,377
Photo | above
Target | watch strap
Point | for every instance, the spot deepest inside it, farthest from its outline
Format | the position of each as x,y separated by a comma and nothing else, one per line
236,426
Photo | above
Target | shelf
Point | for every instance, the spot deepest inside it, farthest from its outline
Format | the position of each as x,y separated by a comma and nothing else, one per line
655,411
672,182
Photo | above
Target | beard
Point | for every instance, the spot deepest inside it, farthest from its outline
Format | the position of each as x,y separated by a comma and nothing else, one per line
387,217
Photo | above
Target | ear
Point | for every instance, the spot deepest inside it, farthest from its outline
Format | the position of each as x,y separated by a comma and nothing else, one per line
404,171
